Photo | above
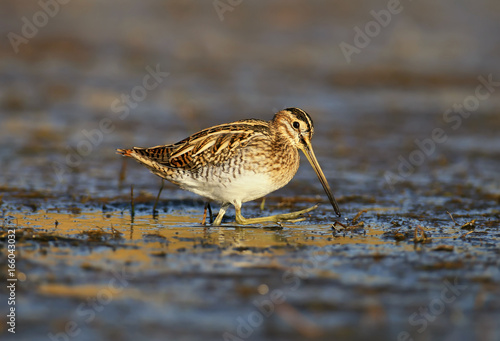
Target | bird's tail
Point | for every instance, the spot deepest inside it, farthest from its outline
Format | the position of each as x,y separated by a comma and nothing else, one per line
125,152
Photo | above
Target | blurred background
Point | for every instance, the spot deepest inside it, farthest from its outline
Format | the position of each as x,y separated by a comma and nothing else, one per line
405,97
65,67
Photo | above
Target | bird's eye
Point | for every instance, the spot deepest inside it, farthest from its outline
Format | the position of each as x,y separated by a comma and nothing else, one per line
296,125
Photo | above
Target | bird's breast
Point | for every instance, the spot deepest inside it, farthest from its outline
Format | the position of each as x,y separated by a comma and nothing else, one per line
250,174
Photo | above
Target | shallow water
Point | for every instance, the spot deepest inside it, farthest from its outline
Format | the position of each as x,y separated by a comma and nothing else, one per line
417,256
92,268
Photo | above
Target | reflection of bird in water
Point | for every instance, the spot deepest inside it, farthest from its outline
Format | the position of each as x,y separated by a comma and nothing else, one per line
237,162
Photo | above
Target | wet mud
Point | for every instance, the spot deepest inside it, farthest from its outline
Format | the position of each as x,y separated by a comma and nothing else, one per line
415,255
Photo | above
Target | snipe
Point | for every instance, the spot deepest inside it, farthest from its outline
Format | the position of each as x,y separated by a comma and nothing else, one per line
237,162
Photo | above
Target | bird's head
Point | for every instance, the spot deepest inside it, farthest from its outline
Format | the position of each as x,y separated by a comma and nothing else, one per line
296,126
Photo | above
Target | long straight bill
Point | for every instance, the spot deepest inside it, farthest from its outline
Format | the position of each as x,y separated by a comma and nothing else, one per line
308,151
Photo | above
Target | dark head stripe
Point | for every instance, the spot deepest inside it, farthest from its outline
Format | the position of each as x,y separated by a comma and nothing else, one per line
302,115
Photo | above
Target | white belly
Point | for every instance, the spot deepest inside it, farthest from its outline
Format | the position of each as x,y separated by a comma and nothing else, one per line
230,190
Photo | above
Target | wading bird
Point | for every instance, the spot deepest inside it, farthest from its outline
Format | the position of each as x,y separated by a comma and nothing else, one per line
237,162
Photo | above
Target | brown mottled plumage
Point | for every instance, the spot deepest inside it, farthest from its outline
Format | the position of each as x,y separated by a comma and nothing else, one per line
237,162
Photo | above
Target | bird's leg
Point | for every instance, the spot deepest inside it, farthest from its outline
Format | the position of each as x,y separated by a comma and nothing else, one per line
158,197
273,218
211,218
263,203
210,212
222,211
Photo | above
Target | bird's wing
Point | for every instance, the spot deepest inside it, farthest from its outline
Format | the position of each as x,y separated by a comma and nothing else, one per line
210,146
